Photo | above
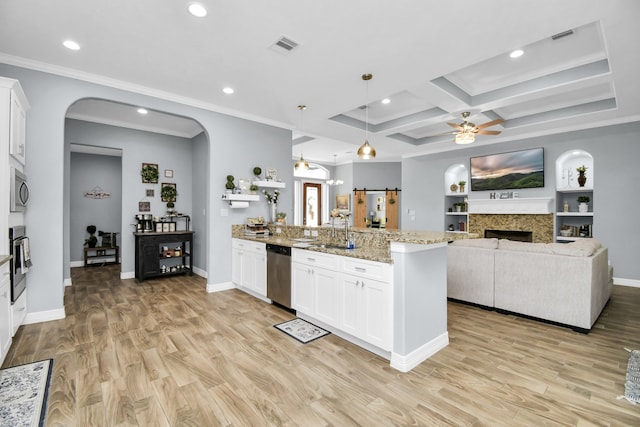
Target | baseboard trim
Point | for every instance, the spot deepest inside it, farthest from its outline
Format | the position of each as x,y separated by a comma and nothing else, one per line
73,264
127,275
200,272
68,282
218,287
626,282
44,316
419,355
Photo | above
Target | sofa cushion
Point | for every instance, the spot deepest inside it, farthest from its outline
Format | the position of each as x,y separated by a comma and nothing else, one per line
579,248
511,245
477,243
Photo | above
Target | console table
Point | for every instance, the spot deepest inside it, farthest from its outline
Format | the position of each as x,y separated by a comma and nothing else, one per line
102,252
163,254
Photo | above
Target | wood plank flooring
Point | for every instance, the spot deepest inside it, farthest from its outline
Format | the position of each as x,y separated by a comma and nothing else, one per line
166,353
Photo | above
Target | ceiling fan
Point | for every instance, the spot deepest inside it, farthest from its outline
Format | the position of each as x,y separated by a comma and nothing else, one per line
467,131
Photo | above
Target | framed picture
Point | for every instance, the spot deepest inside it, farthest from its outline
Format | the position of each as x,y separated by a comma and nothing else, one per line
144,206
169,184
149,173
271,174
342,202
168,173
150,192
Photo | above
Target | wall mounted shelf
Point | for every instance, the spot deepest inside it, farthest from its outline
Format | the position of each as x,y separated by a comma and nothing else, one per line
270,184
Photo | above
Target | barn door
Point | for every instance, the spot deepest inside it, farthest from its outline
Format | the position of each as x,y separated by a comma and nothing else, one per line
391,206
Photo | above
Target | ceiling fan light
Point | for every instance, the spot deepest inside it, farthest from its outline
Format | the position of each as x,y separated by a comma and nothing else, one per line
465,138
366,151
301,164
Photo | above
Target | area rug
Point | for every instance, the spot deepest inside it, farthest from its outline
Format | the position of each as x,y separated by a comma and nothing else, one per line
23,394
302,330
632,379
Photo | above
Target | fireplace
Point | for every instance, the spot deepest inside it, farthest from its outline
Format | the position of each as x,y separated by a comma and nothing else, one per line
540,225
516,235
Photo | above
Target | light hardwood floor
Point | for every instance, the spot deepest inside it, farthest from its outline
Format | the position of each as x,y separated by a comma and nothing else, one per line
166,353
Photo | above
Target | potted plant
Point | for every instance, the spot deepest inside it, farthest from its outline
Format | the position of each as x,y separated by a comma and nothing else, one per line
257,171
92,240
461,185
582,178
168,193
582,203
253,188
229,184
281,217
458,206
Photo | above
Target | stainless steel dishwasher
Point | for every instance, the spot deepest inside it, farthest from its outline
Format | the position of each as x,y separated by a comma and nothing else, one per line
279,274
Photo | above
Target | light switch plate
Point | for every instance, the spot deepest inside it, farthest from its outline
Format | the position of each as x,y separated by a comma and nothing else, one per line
307,233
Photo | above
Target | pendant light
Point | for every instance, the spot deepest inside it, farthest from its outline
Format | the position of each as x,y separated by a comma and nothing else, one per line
366,151
302,163
335,165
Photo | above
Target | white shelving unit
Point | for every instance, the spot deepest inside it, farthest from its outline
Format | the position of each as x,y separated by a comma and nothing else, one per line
270,184
568,190
238,201
460,220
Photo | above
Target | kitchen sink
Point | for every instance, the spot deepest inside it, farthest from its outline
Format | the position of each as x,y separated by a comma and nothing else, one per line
339,247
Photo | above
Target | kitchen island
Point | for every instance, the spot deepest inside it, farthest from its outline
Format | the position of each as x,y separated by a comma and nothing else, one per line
388,295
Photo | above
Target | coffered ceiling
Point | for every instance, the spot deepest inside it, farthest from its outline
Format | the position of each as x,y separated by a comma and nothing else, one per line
431,61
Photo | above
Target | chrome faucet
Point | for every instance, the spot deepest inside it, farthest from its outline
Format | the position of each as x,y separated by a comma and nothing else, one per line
345,217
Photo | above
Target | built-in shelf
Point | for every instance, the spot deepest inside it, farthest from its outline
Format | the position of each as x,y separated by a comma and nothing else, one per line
570,239
575,189
574,214
241,197
270,184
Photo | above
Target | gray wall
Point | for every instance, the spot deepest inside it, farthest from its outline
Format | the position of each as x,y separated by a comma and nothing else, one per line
235,146
200,187
615,150
168,152
88,171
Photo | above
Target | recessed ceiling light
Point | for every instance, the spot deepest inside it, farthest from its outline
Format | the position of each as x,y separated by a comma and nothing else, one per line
386,101
142,111
70,44
516,53
196,9
228,90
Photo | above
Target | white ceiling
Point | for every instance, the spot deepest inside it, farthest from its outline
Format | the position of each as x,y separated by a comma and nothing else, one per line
433,60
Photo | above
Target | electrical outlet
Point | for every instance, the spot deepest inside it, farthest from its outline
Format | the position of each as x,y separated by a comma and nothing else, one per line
307,233
314,233
278,230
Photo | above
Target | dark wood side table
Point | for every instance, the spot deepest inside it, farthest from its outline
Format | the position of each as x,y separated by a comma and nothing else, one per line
102,252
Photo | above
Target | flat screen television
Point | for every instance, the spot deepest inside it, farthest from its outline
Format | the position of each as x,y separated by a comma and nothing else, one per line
508,171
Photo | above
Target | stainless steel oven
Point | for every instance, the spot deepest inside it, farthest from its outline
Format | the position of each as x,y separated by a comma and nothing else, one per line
20,262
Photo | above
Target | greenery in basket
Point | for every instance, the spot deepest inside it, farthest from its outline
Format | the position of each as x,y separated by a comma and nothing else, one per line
253,188
169,194
584,199
149,173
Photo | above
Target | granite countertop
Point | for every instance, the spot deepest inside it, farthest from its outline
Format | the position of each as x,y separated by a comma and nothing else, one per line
371,244
5,258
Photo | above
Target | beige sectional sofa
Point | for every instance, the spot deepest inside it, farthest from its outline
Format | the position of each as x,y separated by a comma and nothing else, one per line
568,284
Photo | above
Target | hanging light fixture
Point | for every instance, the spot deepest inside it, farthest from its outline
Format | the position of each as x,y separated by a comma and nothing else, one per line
335,181
366,151
466,137
302,163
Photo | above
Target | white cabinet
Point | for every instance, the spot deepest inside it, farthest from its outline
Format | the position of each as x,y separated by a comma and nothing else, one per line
18,313
315,285
5,311
249,265
13,118
367,302
353,295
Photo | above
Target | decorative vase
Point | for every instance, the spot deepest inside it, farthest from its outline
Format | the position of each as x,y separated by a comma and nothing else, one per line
582,179
583,207
462,188
274,212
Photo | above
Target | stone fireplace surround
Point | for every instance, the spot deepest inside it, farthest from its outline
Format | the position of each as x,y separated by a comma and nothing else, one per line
534,215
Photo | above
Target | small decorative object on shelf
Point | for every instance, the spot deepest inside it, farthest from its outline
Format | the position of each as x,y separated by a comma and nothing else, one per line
582,203
461,185
253,189
272,199
149,173
565,207
229,185
453,187
450,228
281,217
582,178
257,171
